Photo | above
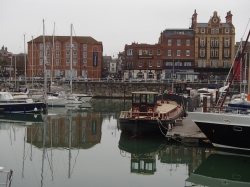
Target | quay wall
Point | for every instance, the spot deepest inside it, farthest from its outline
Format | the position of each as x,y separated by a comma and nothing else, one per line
113,89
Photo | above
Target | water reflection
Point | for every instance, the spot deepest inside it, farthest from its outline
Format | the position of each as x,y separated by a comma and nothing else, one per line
144,151
222,170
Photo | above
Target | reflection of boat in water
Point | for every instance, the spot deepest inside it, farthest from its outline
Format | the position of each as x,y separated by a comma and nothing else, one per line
143,152
222,170
20,119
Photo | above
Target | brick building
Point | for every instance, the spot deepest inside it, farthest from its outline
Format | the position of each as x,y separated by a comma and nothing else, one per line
86,57
214,46
203,51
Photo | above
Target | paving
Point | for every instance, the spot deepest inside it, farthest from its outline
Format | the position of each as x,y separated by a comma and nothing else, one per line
187,131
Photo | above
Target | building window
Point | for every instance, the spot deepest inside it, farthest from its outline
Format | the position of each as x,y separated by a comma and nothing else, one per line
48,54
130,52
140,63
67,62
226,53
217,30
169,52
187,63
150,63
227,31
158,63
169,63
216,43
226,42
212,53
84,54
140,51
41,46
150,52
178,42
57,62
67,54
158,52
214,64
48,62
226,64
57,54
74,62
178,63
41,62
57,46
202,53
212,42
169,42
187,52
202,30
47,46
85,47
216,54
67,46
212,31
187,42
41,54
178,52
202,42
74,54
74,46
84,61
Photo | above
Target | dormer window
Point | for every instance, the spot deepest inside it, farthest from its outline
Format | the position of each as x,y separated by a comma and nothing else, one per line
226,30
202,30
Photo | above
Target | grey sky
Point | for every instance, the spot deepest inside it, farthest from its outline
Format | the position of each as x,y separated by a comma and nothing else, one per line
113,22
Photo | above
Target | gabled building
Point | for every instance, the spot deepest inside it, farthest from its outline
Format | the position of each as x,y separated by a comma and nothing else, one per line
214,46
86,57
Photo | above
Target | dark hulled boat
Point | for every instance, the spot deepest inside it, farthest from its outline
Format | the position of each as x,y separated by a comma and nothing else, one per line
149,114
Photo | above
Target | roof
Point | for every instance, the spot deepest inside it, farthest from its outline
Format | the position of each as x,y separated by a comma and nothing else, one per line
229,25
80,39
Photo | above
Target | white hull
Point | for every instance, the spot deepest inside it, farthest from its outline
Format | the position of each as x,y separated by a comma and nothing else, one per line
83,97
55,101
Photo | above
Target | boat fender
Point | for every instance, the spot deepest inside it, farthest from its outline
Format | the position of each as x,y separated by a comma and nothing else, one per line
35,109
169,126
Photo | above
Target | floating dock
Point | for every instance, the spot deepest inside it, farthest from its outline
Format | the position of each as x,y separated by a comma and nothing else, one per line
187,131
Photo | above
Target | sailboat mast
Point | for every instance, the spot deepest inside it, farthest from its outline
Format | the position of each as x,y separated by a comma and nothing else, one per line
25,63
32,62
44,66
53,45
71,58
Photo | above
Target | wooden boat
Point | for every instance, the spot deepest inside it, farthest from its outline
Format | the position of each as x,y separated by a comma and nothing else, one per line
149,114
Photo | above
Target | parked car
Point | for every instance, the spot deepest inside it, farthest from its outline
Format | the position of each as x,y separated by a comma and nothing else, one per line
82,78
108,79
37,78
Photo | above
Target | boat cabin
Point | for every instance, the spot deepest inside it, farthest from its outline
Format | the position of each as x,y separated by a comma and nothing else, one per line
144,101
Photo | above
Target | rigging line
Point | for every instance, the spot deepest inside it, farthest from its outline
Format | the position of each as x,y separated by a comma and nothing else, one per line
75,161
50,164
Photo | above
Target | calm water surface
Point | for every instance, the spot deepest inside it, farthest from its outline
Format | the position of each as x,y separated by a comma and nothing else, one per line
84,147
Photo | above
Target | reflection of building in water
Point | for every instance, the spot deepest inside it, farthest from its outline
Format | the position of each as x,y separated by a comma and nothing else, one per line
180,154
144,150
85,128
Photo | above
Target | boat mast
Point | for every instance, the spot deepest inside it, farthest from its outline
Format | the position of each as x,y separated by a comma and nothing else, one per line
44,66
71,58
53,42
25,63
32,62
241,54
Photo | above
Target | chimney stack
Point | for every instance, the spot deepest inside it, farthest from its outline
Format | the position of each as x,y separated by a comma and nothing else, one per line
229,17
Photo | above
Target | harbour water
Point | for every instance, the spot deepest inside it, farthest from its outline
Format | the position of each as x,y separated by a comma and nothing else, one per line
84,147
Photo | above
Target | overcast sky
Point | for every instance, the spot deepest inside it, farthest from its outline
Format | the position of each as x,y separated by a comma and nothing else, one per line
113,22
